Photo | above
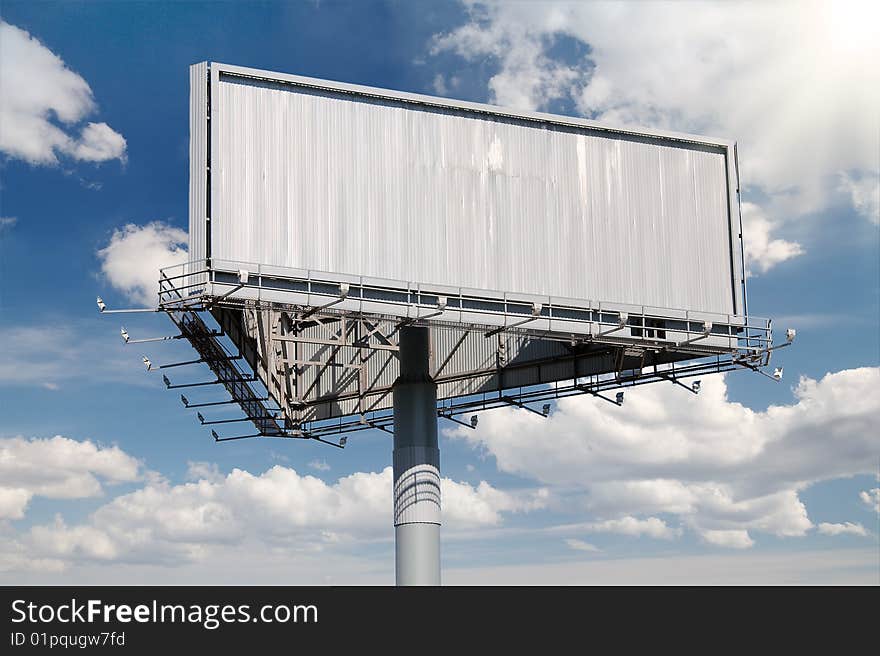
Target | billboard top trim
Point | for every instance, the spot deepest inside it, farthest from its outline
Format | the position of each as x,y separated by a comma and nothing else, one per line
218,68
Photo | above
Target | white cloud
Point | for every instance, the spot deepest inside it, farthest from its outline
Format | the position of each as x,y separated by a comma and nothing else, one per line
847,528
528,78
580,545
169,524
132,259
7,223
196,471
762,252
724,469
465,505
864,193
36,90
799,100
652,527
99,142
319,465
57,468
730,538
13,502
871,498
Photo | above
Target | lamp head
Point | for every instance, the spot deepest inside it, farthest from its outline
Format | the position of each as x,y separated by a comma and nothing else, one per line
184,400
101,305
695,386
166,381
546,409
201,418
619,398
215,436
147,363
124,333
790,335
474,421
777,373
343,440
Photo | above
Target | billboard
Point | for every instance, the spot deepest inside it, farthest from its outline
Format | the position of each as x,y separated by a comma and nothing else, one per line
538,249
302,173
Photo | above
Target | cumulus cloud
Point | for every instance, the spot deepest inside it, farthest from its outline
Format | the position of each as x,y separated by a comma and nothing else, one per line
724,469
280,508
864,193
651,527
132,259
847,528
42,103
725,69
528,78
580,545
871,498
58,468
730,538
762,252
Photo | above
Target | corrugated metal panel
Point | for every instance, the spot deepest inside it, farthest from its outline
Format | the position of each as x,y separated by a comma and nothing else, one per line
198,159
334,181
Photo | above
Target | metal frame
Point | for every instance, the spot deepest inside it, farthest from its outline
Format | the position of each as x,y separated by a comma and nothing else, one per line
366,314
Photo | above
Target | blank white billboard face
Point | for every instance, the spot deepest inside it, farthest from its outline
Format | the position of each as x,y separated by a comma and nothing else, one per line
315,175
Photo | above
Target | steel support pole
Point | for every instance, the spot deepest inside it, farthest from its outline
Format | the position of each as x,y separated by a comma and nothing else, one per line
416,464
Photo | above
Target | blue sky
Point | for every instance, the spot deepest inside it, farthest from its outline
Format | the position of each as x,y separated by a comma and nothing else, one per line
750,504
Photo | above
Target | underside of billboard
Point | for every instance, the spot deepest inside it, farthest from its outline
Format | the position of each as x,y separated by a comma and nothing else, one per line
548,255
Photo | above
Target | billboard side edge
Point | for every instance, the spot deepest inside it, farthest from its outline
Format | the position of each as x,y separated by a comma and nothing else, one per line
737,264
198,160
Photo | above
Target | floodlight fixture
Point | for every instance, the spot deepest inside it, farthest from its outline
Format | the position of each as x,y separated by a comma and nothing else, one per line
707,331
102,307
441,302
243,276
184,400
474,421
124,333
622,320
201,417
343,440
777,373
166,381
536,309
695,386
344,288
618,399
546,409
147,363
790,334
214,434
